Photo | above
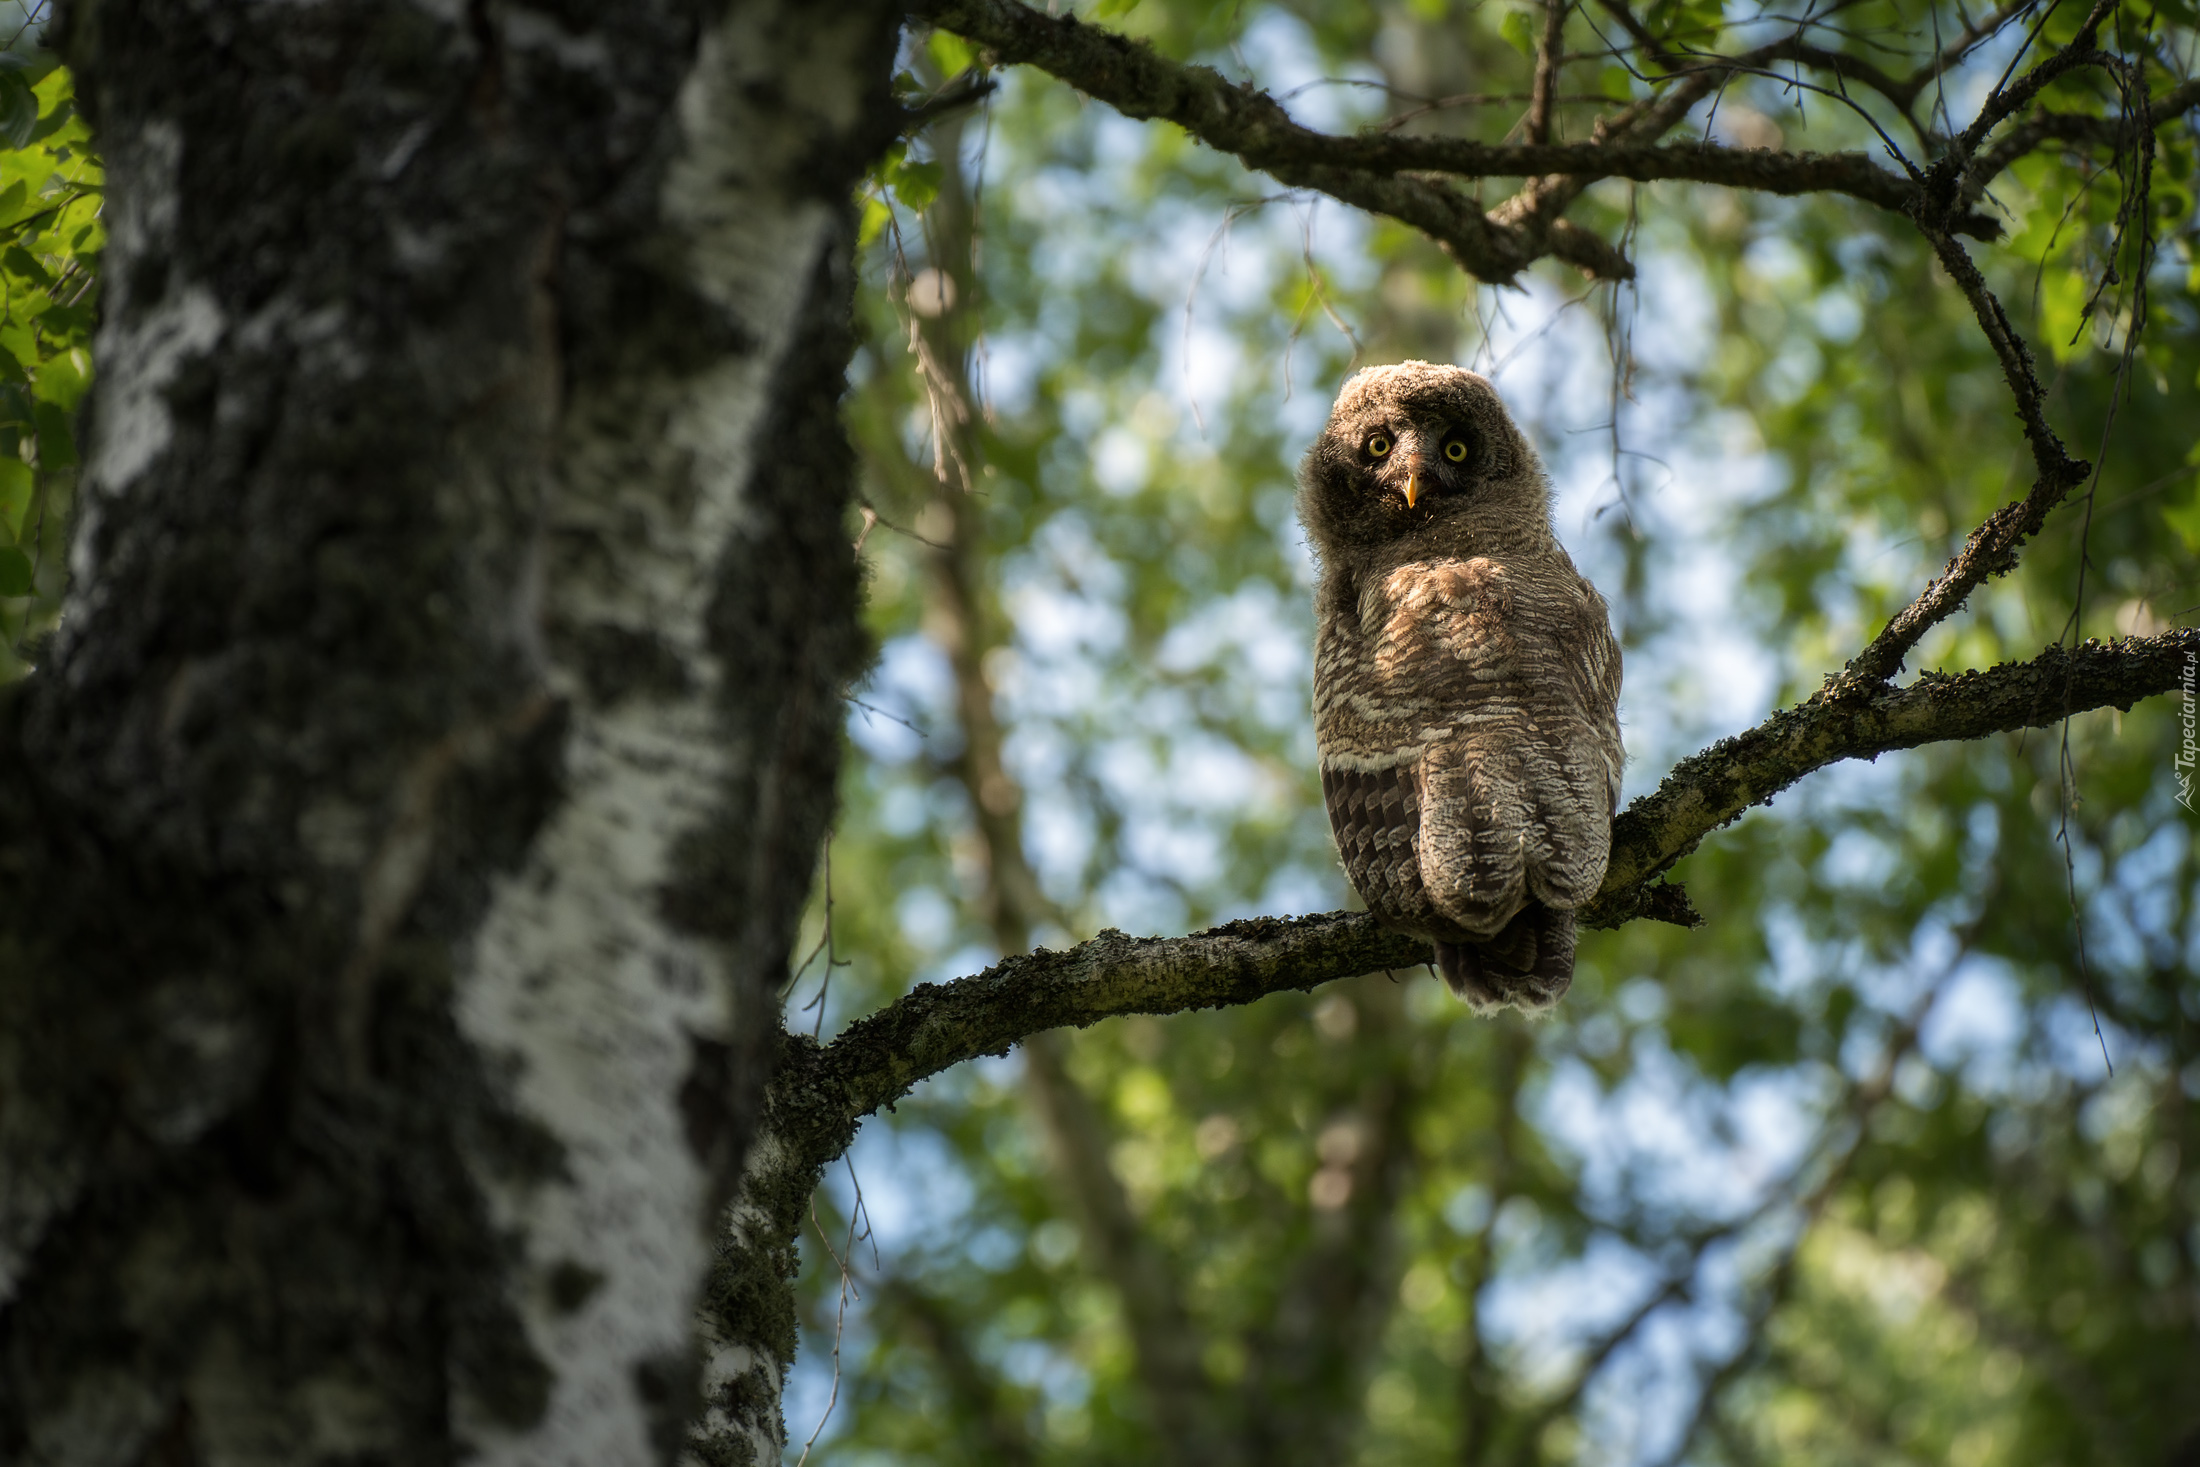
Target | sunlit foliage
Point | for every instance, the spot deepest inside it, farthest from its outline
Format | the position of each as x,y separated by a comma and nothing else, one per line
50,239
1842,1176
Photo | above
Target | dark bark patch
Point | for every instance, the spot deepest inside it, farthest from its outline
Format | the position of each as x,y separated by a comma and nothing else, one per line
616,663
571,1284
707,1101
251,1144
175,1444
666,1386
501,1370
658,322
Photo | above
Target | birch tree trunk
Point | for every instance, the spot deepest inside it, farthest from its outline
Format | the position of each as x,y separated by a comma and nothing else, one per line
401,841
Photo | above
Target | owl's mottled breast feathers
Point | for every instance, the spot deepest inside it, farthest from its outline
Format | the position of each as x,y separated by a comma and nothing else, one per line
1466,683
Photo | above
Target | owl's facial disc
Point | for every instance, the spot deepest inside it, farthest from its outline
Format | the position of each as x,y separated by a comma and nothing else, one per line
1416,462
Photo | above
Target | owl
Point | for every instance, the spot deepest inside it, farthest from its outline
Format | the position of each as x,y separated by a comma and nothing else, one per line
1466,682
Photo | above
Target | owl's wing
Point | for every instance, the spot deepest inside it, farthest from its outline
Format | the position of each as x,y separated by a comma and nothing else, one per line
1600,684
1517,796
1370,726
1375,815
1576,782
1576,779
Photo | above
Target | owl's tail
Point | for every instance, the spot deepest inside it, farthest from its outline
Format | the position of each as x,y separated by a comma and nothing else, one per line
1528,964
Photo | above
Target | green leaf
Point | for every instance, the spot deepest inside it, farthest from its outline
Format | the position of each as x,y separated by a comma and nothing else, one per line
2185,518
18,109
56,437
15,498
882,172
917,184
2062,312
1691,24
54,122
952,54
22,264
1109,9
54,86
876,215
69,325
61,379
1517,28
1616,84
15,573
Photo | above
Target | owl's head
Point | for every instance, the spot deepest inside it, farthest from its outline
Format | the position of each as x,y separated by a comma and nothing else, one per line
1418,449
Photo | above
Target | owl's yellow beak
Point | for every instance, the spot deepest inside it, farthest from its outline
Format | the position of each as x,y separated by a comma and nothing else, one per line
1413,483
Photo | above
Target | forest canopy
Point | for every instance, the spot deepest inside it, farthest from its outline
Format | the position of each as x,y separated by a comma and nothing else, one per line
1866,1132
1842,1174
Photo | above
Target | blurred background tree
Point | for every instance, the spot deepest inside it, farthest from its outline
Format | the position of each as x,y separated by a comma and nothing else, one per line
1842,1176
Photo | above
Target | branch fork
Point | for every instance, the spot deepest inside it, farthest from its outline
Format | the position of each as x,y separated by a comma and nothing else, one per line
1860,714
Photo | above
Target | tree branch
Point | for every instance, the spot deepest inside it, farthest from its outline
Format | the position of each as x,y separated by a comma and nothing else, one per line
1549,57
1847,68
1954,53
1374,171
1763,170
879,1059
2007,101
966,90
1139,83
1991,549
1707,790
2068,127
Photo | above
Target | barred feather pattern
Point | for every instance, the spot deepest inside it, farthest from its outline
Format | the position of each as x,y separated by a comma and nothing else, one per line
1466,690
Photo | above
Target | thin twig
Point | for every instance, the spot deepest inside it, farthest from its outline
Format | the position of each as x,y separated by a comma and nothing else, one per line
1218,240
824,944
2133,206
847,1291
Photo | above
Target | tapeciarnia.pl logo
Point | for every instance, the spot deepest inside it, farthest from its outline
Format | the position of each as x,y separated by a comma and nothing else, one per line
2187,715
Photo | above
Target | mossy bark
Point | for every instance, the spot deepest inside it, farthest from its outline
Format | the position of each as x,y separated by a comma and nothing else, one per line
402,839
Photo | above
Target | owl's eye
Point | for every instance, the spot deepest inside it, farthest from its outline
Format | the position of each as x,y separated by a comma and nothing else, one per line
1456,450
1378,445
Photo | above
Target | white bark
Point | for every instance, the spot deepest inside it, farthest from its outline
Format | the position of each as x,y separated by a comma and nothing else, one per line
578,983
417,807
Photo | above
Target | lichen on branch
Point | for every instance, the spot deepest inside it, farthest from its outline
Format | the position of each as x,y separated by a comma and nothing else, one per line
1389,173
880,1058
